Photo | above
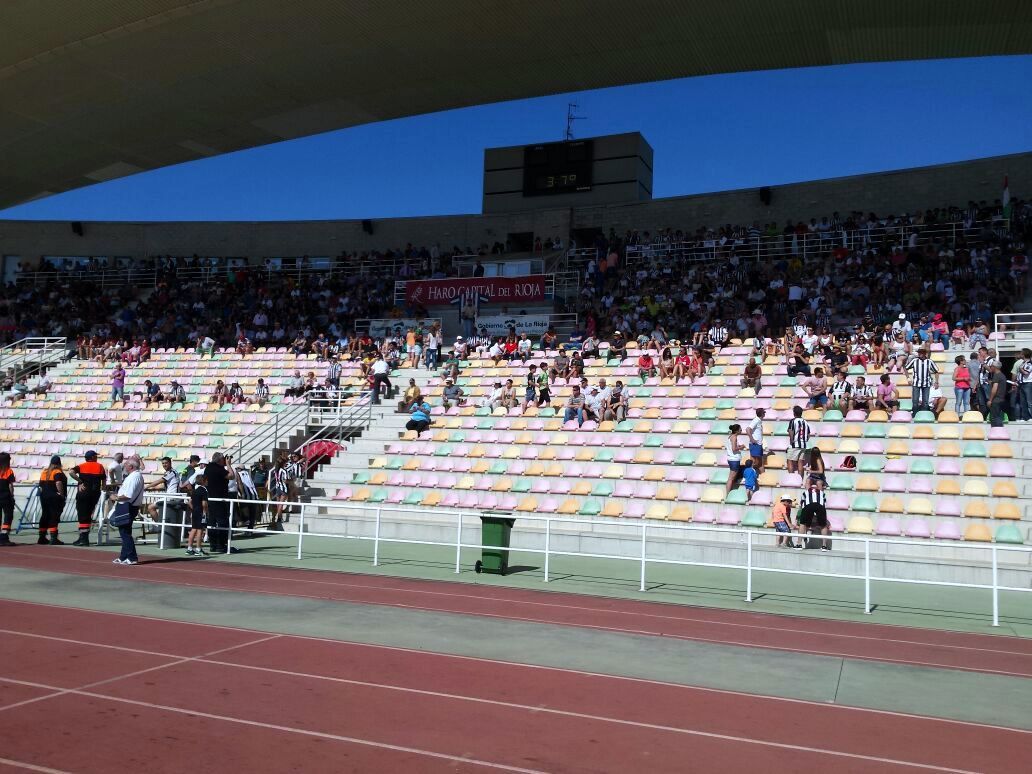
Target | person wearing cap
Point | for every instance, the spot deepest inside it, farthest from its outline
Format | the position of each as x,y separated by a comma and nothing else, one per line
176,394
781,520
89,477
593,404
902,325
460,349
997,392
453,394
617,346
53,490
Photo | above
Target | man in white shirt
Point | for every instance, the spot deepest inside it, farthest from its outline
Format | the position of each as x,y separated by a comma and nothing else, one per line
130,493
432,347
755,433
903,324
380,372
494,400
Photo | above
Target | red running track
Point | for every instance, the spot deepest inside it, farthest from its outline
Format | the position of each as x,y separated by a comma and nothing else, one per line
99,692
896,644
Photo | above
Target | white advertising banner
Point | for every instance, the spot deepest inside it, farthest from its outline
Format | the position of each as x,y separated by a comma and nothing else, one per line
379,329
499,324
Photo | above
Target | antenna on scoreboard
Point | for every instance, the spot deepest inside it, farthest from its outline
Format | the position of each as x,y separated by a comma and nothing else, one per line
570,118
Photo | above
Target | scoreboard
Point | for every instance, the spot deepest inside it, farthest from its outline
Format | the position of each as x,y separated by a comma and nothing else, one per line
610,169
557,167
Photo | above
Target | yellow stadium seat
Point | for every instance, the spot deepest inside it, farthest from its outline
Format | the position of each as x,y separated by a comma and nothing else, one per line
643,457
569,506
948,432
547,453
527,505
502,485
712,494
866,484
948,449
897,449
680,512
466,482
667,492
714,442
440,436
848,446
378,462
412,463
612,508
1001,451
899,431
826,445
919,506
554,469
975,488
480,466
975,468
657,511
431,498
1004,489
613,471
581,487
408,435
360,496
878,416
378,479
976,509
860,525
948,417
1006,511
973,433
850,430
535,469
890,505
584,454
606,426
978,533
947,486
706,459
655,473
477,451
923,432
974,417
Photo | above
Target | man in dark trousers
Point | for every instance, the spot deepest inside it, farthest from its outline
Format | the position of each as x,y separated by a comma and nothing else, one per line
218,507
90,477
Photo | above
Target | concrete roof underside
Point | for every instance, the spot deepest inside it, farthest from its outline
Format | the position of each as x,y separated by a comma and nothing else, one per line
92,90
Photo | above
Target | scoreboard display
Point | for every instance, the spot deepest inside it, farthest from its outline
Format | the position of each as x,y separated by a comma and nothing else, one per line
557,167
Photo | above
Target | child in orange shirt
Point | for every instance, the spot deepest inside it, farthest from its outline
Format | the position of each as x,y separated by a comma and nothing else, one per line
781,518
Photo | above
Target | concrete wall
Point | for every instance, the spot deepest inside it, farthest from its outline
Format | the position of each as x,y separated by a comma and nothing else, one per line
904,190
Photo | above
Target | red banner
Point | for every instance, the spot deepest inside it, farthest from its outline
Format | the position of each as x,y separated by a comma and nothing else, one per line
486,290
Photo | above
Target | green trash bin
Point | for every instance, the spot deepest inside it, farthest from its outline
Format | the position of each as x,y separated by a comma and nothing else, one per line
494,532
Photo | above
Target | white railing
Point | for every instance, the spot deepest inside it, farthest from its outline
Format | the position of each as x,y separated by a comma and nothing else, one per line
812,243
989,552
32,352
1012,331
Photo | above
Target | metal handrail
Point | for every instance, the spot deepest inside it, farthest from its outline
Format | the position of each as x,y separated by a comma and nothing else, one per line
32,352
1012,331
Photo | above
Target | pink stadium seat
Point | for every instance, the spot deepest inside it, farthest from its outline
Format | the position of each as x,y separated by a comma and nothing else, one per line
395,496
947,466
923,448
838,501
565,453
920,485
623,489
635,510
872,446
893,484
917,528
469,499
697,475
948,506
488,502
540,486
560,486
645,490
790,481
887,527
836,523
344,493
947,530
895,466
624,455
1001,469
999,434
728,517
903,417
764,497
704,516
689,493
676,475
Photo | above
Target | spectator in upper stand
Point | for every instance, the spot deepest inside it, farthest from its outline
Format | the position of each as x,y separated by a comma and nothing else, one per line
493,399
205,346
594,405
453,394
235,395
1021,373
863,396
219,394
561,365
718,334
902,325
666,362
939,331
576,366
886,395
524,348
576,338
544,385
118,384
261,393
321,347
296,388
176,394
412,395
509,399
615,408
617,346
924,374
509,349
798,362
244,346
646,366
997,392
299,346
840,393
152,392
549,340
468,315
816,389
899,352
420,417
798,441
961,385
574,408
751,376
43,385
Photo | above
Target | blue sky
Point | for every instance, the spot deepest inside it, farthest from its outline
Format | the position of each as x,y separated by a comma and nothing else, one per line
709,134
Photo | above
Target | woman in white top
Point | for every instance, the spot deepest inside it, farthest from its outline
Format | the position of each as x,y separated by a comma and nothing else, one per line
733,447
899,353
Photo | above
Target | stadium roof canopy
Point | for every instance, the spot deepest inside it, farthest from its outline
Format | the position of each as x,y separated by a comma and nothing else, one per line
92,90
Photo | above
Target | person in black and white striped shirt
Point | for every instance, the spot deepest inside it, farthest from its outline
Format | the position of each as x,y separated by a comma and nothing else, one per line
923,374
333,372
261,393
813,516
798,440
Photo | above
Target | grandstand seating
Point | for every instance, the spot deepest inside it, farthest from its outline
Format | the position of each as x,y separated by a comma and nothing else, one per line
78,414
952,479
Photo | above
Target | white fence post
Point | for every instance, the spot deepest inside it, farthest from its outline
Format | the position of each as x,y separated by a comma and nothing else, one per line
301,530
748,566
376,540
458,547
996,589
867,576
548,536
164,518
229,534
644,529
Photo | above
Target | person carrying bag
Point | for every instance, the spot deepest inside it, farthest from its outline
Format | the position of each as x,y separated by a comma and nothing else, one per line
127,503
